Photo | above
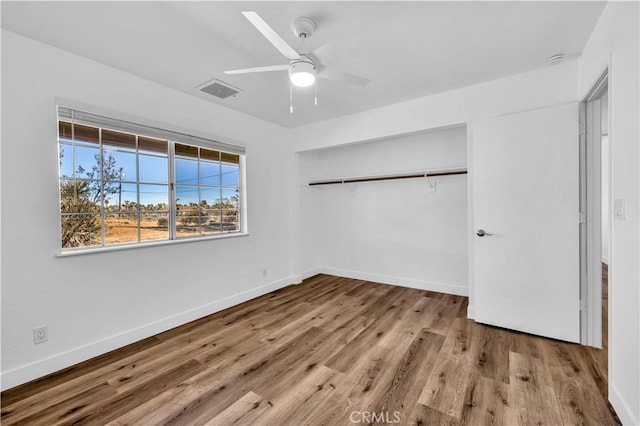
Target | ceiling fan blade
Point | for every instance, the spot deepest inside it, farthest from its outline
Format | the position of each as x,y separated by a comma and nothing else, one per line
343,77
327,50
259,69
273,37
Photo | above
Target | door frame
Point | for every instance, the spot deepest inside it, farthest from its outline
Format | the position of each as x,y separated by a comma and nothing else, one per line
591,213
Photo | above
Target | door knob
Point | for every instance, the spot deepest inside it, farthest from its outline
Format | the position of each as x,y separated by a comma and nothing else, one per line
482,233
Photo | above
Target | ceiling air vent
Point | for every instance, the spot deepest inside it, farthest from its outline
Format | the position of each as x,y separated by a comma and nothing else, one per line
218,88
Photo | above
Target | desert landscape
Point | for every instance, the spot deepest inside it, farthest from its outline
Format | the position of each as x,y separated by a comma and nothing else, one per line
120,230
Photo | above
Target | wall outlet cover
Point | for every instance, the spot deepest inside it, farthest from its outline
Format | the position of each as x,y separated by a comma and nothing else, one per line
619,209
40,334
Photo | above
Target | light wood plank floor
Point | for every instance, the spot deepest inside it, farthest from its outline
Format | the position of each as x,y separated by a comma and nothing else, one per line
328,352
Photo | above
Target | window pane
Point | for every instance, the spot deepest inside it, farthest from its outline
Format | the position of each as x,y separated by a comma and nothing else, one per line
121,228
208,154
65,159
229,175
154,226
152,145
186,150
119,165
187,197
209,173
209,197
154,197
86,134
211,223
188,223
230,198
64,130
153,169
87,162
80,230
230,158
230,221
81,133
79,196
120,196
186,171
119,139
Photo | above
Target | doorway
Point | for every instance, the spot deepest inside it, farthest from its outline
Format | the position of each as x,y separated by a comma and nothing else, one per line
595,208
605,216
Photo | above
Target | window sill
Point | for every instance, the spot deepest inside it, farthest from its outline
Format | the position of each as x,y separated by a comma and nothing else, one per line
83,251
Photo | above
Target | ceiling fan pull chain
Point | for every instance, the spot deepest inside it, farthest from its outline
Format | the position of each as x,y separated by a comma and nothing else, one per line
290,98
315,88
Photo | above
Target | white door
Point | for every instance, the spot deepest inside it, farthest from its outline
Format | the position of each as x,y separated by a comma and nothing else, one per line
525,182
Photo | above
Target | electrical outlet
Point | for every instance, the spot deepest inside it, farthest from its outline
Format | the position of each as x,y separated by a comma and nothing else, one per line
40,334
264,272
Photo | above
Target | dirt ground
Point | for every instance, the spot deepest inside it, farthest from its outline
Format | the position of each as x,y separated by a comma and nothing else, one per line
125,230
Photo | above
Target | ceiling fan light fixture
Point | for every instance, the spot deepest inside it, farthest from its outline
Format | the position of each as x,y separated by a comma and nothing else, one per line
302,73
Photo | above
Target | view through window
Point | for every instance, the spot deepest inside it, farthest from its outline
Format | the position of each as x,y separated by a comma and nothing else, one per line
118,187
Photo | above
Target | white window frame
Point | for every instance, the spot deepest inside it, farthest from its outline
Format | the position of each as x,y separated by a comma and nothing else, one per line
103,121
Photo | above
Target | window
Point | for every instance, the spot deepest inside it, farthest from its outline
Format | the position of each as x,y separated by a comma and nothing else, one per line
123,183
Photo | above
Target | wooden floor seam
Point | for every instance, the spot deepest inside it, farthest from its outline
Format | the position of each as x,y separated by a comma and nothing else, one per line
330,351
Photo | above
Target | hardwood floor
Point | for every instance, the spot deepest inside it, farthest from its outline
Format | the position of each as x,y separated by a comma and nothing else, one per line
332,351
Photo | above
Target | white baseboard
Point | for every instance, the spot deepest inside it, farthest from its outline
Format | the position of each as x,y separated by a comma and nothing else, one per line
471,312
404,282
622,408
40,368
310,273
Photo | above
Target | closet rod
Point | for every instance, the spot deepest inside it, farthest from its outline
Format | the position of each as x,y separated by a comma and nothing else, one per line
390,177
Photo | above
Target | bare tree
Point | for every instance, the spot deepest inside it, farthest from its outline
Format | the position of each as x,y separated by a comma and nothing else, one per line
80,201
78,229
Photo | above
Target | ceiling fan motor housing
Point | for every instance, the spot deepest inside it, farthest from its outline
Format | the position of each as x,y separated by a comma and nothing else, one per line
303,27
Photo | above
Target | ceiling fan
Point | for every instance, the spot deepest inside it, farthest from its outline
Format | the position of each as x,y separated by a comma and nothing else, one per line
303,67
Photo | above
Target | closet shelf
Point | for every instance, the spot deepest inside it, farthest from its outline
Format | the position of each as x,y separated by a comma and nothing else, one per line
414,175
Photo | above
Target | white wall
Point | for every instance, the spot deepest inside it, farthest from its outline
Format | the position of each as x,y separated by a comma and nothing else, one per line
97,302
544,87
310,221
614,43
392,231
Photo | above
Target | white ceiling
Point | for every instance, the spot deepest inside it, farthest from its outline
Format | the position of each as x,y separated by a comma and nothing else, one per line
406,49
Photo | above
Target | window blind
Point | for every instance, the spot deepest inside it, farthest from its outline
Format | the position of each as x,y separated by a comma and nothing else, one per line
97,120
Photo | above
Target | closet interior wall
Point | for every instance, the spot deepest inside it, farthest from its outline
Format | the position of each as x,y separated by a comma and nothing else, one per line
411,232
